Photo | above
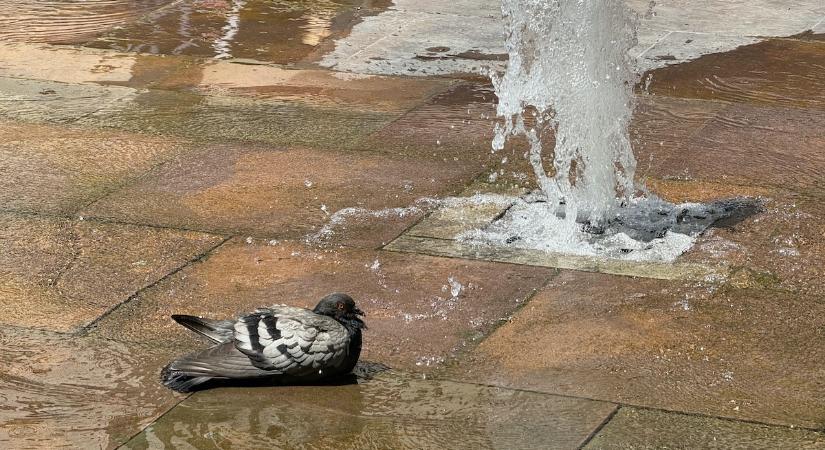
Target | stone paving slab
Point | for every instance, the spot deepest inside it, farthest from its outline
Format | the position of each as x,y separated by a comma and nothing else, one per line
49,101
390,411
414,320
754,145
662,126
243,78
777,72
285,193
60,274
62,391
702,348
59,169
64,64
645,429
319,87
236,118
395,41
538,258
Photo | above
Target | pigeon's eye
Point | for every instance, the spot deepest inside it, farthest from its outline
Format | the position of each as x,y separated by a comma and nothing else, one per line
340,306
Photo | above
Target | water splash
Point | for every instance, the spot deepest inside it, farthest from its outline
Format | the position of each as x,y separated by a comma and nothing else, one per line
570,73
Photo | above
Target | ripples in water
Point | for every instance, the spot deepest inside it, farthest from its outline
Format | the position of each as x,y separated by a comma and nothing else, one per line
61,21
390,411
59,391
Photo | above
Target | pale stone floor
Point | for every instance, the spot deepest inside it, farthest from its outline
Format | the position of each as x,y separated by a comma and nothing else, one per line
137,185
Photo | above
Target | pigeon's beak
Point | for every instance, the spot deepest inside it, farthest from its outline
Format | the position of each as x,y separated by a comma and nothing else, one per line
358,312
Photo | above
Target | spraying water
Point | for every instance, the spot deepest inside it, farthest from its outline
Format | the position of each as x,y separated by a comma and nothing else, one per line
570,73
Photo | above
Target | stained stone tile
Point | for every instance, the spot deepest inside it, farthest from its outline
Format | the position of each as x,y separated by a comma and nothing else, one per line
59,274
73,392
390,411
415,321
59,169
692,347
286,193
754,145
645,429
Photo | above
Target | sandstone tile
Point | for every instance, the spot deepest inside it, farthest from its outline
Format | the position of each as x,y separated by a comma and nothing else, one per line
60,274
754,145
415,321
286,193
739,353
59,169
390,411
646,429
75,392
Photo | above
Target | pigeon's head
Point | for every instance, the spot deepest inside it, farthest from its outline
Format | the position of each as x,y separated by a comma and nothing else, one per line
342,308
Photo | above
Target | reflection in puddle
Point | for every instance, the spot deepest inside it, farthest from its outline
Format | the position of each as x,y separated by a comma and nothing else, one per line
390,411
278,31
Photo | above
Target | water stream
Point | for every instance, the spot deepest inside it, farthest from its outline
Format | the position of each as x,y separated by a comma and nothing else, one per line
571,70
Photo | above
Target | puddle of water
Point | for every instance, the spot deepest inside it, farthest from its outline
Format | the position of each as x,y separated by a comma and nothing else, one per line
786,72
62,391
274,31
390,411
61,21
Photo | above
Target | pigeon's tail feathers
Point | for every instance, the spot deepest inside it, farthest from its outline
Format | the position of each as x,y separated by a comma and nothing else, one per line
218,331
221,362
180,381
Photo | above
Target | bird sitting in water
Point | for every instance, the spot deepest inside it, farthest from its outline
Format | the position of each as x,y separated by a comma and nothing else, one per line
282,343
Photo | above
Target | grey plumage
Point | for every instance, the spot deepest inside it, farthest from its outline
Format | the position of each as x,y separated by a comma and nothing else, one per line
282,343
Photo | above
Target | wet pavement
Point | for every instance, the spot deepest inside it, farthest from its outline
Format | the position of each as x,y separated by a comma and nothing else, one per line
212,156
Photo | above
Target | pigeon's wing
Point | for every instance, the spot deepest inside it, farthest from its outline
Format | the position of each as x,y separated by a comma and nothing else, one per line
292,341
218,331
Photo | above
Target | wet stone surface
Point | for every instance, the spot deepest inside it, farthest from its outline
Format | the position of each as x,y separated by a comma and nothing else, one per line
285,193
60,274
695,347
62,391
779,72
60,169
275,31
415,321
645,429
389,411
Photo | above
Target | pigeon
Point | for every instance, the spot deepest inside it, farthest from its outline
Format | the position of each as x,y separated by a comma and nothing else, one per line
283,344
